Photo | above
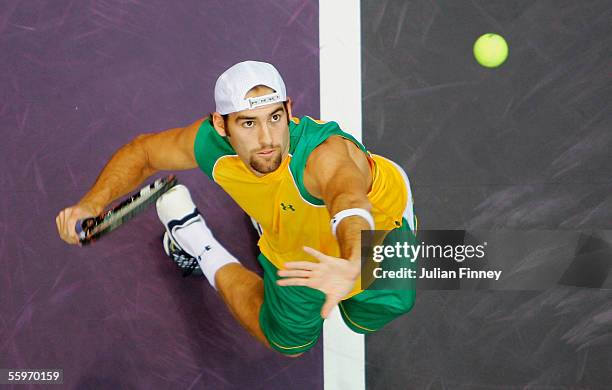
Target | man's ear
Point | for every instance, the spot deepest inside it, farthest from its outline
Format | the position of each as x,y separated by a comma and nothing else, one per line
289,108
218,124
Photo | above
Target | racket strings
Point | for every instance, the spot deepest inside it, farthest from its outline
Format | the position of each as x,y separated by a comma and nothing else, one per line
127,209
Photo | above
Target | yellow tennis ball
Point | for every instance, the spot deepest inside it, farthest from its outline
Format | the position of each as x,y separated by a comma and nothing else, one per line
490,50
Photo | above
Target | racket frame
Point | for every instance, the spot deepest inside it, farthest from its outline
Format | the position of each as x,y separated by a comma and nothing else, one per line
91,229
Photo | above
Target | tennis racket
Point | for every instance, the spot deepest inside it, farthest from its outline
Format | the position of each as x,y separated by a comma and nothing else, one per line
90,229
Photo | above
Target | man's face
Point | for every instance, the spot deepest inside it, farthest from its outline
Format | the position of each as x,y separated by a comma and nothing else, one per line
260,136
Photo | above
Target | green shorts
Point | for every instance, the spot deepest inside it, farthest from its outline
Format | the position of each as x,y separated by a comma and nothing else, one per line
290,316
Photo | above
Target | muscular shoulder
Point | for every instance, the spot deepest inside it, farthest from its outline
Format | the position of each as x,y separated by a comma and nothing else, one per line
333,154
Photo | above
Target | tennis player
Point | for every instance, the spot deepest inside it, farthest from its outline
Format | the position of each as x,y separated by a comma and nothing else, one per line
309,187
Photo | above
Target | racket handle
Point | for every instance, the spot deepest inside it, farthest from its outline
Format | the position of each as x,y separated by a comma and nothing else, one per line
80,231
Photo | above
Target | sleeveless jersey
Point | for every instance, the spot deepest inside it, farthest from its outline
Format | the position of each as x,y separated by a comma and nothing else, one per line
290,217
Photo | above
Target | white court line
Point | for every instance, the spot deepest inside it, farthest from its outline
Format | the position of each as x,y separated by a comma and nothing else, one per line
340,85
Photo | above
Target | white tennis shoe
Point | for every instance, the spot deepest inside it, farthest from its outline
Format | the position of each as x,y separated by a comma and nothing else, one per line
176,210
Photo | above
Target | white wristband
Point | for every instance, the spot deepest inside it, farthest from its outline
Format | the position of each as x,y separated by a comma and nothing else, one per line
363,213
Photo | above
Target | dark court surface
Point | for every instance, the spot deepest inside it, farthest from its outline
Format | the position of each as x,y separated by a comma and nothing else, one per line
79,79
524,146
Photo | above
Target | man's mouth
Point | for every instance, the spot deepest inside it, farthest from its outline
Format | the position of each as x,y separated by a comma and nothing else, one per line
266,152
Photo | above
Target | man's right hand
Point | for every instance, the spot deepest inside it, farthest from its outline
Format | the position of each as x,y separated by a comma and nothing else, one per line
67,218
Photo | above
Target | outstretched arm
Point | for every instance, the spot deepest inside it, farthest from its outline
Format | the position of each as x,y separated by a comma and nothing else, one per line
146,154
339,173
128,168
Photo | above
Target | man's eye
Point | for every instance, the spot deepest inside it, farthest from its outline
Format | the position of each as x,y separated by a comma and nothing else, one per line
276,117
248,123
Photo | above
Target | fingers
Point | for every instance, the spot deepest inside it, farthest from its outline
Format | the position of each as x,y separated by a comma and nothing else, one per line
66,222
297,273
60,220
322,257
314,253
307,265
293,273
68,232
295,282
65,228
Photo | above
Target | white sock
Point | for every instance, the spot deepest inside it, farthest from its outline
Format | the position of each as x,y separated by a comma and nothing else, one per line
197,240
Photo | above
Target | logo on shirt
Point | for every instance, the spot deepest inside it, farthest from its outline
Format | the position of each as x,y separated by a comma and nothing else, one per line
287,207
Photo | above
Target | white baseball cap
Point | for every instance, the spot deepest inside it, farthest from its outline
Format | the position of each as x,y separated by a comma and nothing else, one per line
233,84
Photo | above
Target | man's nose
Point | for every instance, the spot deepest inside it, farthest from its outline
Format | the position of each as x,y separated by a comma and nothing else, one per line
265,135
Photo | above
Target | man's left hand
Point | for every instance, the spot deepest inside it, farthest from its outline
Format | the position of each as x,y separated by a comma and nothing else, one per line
333,276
